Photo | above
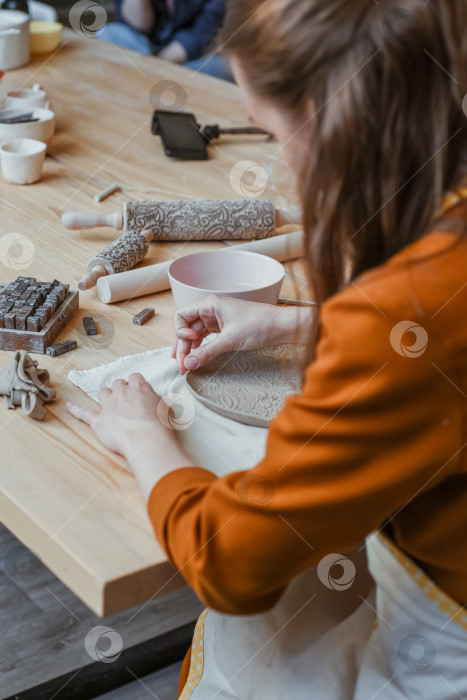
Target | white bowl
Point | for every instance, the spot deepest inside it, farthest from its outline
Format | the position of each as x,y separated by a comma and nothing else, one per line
25,99
42,130
22,160
232,273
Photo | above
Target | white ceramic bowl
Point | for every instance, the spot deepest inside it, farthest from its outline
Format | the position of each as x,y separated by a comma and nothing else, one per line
25,99
231,273
22,160
42,130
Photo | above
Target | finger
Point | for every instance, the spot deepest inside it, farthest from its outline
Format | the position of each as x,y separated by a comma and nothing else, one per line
183,349
187,333
207,351
136,379
103,393
193,332
188,315
118,384
173,354
81,412
196,343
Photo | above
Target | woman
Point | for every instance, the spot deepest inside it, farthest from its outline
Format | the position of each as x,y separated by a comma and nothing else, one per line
366,100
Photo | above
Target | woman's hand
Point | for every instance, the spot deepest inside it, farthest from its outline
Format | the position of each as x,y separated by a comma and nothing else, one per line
129,411
129,423
240,325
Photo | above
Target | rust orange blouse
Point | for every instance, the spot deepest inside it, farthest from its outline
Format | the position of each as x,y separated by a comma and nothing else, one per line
376,436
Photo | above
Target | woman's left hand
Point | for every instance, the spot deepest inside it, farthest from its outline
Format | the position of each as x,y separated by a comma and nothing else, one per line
128,415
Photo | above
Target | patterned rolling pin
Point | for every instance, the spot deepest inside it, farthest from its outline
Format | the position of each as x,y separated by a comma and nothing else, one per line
121,255
202,219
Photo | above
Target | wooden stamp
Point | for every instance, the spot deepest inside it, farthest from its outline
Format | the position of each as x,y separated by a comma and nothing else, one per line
60,348
89,325
143,316
32,313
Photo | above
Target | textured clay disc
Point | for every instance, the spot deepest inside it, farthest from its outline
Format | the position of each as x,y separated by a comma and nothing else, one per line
250,386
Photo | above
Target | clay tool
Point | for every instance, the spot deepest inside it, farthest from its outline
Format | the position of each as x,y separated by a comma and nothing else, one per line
289,301
195,220
143,316
61,348
89,325
107,192
20,119
154,278
121,255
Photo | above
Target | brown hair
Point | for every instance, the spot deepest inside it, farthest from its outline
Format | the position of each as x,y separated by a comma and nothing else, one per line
387,81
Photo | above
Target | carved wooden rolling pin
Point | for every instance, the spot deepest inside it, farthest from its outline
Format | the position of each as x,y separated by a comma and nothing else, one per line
121,255
154,278
199,219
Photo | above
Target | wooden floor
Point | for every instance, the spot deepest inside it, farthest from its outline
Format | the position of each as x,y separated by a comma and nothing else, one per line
44,628
162,685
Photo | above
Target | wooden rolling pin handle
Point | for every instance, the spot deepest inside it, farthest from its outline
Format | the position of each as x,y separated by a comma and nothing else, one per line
80,219
91,277
148,234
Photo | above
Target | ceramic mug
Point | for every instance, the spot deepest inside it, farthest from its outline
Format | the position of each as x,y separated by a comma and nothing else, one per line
14,39
22,160
25,98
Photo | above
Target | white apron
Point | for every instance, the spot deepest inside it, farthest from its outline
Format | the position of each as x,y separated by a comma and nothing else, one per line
406,639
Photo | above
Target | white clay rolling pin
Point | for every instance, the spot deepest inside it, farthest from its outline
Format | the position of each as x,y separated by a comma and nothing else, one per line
199,219
121,255
155,278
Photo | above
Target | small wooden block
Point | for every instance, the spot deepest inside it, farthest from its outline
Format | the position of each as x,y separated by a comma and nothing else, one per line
9,321
33,324
89,325
143,316
20,322
60,348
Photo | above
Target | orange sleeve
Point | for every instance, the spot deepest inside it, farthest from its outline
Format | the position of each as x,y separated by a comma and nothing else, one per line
370,431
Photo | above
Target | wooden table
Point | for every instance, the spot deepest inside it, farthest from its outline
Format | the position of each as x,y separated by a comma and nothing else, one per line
61,493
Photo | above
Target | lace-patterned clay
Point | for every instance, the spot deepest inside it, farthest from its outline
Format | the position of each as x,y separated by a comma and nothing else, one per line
249,386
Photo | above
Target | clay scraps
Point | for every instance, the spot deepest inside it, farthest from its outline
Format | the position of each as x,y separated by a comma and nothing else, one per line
23,384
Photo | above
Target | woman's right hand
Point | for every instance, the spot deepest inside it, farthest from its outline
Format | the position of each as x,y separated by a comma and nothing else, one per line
239,325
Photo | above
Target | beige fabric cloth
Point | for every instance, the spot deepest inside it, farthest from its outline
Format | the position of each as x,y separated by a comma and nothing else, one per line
23,384
219,444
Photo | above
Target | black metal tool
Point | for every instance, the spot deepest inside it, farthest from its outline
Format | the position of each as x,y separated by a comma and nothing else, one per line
214,131
20,119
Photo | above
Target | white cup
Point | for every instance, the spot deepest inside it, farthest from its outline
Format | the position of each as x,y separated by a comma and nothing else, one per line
25,98
14,39
22,160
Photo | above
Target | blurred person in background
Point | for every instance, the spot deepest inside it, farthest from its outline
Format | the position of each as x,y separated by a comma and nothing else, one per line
179,32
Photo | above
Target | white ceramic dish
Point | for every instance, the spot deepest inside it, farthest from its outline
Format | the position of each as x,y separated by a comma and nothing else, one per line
232,273
25,98
22,160
42,130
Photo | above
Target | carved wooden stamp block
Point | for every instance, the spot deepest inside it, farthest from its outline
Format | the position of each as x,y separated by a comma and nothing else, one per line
143,316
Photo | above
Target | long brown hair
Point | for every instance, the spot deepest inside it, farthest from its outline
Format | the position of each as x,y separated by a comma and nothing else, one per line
387,80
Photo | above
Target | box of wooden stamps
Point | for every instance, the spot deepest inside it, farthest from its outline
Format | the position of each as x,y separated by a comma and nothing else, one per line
32,313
